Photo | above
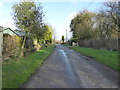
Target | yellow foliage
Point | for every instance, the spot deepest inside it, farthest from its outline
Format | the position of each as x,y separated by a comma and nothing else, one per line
18,40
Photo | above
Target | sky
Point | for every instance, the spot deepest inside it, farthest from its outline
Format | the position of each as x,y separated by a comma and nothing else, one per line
57,14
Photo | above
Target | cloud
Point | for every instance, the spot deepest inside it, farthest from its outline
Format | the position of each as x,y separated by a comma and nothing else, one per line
71,16
1,4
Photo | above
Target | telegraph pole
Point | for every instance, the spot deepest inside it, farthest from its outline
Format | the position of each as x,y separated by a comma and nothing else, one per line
66,35
54,39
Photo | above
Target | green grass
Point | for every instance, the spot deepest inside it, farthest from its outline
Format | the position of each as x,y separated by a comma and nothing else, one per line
109,58
15,73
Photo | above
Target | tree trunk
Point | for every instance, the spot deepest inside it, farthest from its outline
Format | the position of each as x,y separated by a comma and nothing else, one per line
23,47
23,44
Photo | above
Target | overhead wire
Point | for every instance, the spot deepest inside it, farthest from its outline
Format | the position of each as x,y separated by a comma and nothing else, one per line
90,4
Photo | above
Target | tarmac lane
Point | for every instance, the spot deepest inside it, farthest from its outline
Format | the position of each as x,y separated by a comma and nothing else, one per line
65,68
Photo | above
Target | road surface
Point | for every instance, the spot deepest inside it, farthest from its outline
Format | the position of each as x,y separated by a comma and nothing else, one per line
66,68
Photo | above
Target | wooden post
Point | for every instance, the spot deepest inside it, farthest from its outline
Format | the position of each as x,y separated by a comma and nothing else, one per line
1,44
1,49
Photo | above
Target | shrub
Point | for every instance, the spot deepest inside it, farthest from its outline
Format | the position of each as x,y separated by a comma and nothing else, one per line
11,46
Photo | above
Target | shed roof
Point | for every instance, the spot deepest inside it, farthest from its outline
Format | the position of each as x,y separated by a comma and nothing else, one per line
11,32
20,33
8,31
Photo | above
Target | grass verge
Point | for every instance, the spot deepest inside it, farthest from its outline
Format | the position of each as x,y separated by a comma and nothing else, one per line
15,73
109,58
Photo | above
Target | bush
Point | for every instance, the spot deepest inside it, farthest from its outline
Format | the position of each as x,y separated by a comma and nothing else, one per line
112,44
11,46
